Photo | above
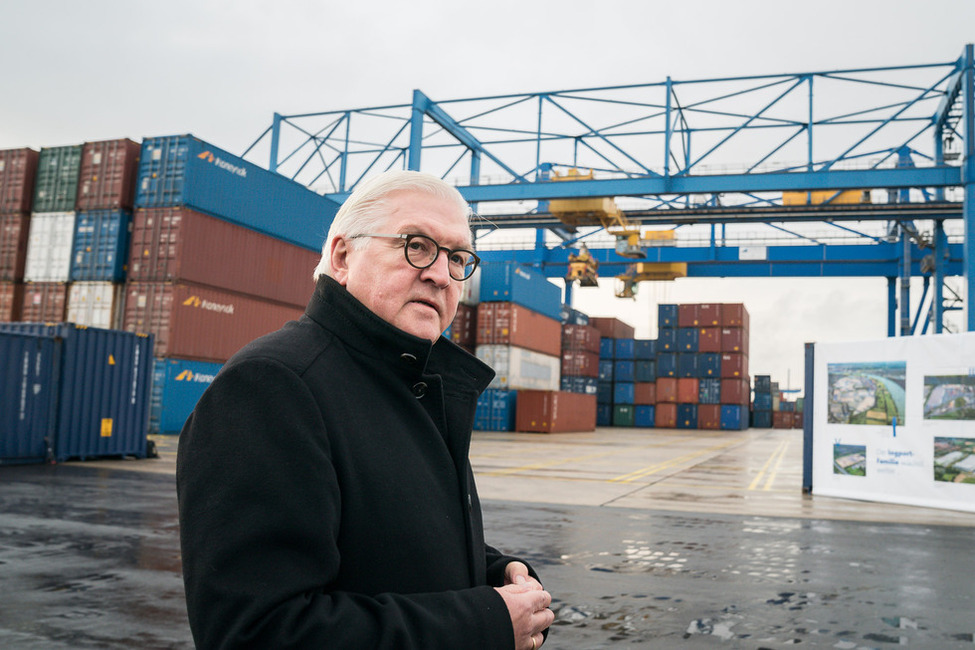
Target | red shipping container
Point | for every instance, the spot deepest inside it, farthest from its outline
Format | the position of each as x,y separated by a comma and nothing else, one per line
665,416
797,420
463,329
580,337
107,178
709,416
688,315
734,364
688,390
645,393
710,315
734,315
576,363
666,390
11,301
735,391
612,328
14,230
45,302
180,245
18,169
550,411
709,339
734,339
506,323
200,323
782,419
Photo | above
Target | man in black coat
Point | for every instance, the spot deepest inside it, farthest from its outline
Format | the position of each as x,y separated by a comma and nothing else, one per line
326,498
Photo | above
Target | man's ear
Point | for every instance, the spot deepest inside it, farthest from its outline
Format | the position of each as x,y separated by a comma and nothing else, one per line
338,259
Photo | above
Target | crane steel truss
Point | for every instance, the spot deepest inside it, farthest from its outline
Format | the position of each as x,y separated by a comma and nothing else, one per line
678,154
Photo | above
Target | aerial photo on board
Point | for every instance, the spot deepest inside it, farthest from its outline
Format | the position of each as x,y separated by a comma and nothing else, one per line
954,460
850,460
866,392
949,397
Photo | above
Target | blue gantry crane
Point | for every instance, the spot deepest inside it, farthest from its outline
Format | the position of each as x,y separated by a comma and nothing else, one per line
857,172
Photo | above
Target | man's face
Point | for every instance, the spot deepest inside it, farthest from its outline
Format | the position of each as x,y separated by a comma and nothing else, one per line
419,301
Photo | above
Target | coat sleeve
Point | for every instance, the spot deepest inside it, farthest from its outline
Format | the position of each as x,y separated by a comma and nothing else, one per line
259,510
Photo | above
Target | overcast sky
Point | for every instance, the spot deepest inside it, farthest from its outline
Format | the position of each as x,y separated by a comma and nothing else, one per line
103,69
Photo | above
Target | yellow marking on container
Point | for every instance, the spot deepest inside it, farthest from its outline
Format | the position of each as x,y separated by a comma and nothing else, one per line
778,454
111,360
106,427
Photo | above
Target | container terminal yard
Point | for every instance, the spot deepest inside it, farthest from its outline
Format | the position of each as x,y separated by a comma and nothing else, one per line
669,491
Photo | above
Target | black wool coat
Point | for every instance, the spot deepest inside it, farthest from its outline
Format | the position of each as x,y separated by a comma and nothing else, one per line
326,499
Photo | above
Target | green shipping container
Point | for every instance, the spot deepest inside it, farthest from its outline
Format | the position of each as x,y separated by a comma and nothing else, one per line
624,415
56,184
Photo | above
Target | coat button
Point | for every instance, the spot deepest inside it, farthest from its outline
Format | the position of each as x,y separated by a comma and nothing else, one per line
419,389
408,358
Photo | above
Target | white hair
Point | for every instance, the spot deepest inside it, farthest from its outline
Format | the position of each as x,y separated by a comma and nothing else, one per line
367,207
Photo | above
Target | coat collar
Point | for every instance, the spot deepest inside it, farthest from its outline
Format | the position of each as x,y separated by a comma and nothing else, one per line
338,311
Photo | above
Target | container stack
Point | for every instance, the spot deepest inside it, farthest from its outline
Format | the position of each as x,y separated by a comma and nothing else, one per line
18,168
762,402
665,416
617,373
735,383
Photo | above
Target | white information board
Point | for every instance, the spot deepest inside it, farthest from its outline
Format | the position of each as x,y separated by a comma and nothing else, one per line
894,420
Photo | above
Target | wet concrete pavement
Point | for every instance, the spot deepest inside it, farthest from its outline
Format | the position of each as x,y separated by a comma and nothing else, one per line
89,552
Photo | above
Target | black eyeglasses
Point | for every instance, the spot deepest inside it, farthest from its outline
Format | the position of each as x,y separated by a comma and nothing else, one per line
422,251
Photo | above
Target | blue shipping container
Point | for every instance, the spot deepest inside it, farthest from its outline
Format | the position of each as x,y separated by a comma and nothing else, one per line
762,419
604,392
666,364
644,415
687,365
177,386
645,371
496,410
104,388
687,416
29,366
687,339
184,170
606,367
604,415
586,385
709,390
101,245
666,316
762,402
763,383
623,393
607,348
667,340
734,417
570,316
644,349
624,371
623,348
522,285
709,364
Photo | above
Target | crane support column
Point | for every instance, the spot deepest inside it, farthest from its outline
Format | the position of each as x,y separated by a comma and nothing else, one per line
968,178
905,303
940,254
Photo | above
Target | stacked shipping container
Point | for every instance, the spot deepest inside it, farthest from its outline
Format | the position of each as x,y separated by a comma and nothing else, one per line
617,372
18,168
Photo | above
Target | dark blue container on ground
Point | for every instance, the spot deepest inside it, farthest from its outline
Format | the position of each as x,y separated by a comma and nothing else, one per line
763,383
623,392
734,417
762,419
570,316
101,245
666,316
184,170
496,410
667,340
29,368
105,384
645,371
709,364
666,364
522,285
644,415
604,415
687,339
762,402
177,385
787,407
687,365
687,416
644,349
586,385
623,348
709,390
607,347
624,371
604,392
606,367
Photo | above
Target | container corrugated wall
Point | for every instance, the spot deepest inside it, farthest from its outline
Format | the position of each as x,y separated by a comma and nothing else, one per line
18,169
49,247
508,323
104,389
177,386
510,282
518,368
184,170
101,246
56,184
107,175
555,411
44,302
96,304
14,231
28,396
11,301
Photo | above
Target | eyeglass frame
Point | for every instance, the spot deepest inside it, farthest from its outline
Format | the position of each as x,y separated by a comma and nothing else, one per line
406,237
